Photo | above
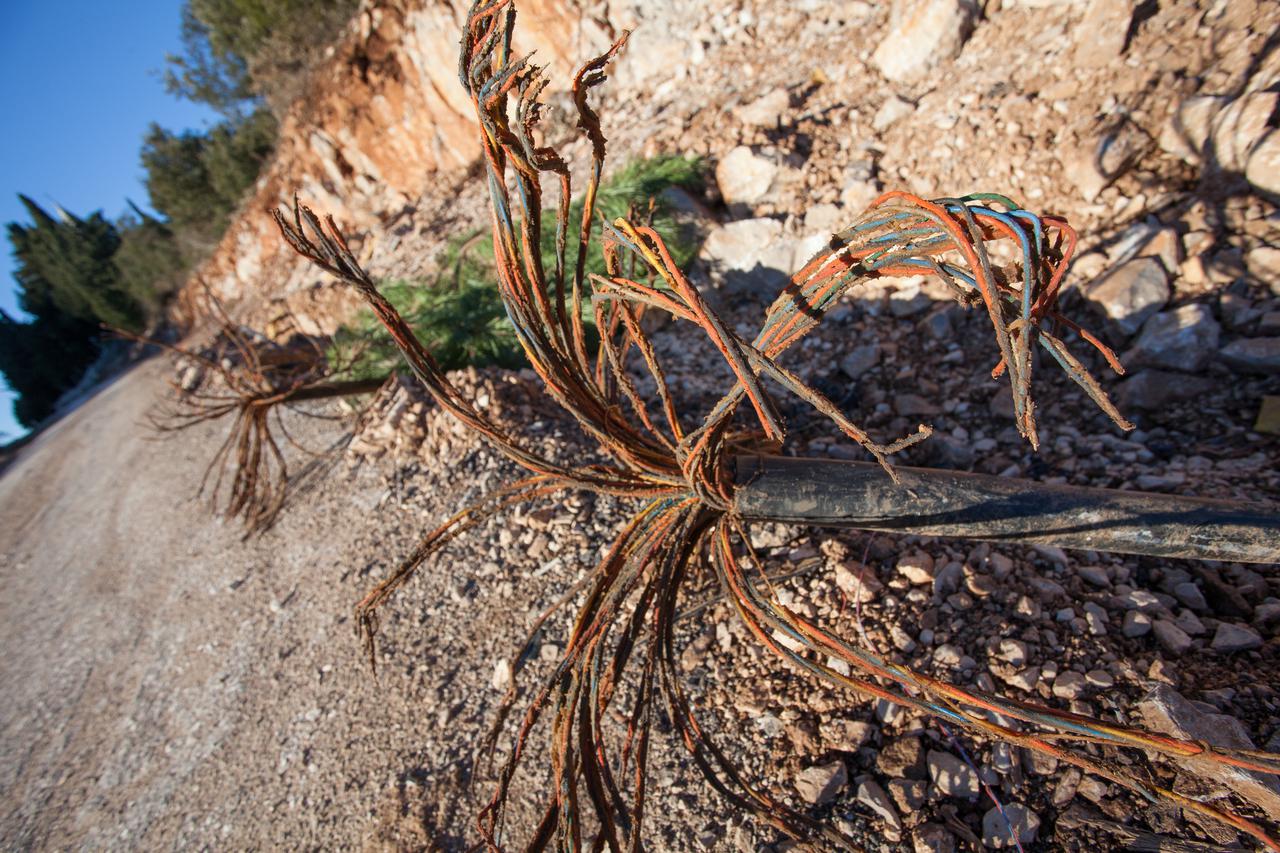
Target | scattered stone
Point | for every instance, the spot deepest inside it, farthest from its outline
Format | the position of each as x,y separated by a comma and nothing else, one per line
1065,791
1136,624
1096,618
1190,595
860,360
916,567
1265,614
1239,128
1172,639
1237,311
1093,789
1189,622
873,797
1094,163
804,736
749,256
999,830
1220,133
932,838
888,713
1219,698
823,220
1161,670
903,757
1231,637
1130,293
858,582
1152,390
1069,685
764,111
1046,590
1166,245
820,785
952,776
1052,553
1002,759
1263,168
1012,651
909,794
981,585
1140,599
1226,266
1185,338
1100,678
1222,595
501,674
744,177
1025,679
1096,575
893,109
769,725
913,405
947,655
1253,355
902,641
1186,134
1166,711
1027,608
1039,763
847,735
923,33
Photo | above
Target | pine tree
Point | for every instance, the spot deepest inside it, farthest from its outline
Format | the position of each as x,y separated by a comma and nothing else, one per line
69,284
68,262
149,260
42,359
196,180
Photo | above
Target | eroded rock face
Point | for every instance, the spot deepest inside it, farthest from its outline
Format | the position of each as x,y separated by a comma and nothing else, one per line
381,120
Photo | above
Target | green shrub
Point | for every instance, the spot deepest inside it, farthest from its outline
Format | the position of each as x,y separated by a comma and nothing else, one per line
459,316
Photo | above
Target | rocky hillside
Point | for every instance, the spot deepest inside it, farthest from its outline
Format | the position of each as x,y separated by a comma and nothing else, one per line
1140,122
1151,126
383,128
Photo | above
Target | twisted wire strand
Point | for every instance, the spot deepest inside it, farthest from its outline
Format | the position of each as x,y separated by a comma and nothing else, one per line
247,478
687,523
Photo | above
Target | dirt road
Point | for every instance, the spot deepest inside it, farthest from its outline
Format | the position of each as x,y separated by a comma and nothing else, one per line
165,683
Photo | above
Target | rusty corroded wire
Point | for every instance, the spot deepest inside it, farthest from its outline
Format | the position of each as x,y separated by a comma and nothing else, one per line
248,379
686,522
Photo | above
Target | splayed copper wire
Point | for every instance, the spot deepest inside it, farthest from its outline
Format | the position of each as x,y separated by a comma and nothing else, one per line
250,380
685,522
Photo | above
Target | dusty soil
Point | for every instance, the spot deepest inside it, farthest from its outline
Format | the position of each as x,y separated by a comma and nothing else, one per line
169,685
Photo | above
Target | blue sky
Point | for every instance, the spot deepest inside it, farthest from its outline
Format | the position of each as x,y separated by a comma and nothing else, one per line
81,86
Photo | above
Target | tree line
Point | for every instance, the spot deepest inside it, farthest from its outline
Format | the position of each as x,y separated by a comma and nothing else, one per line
248,60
